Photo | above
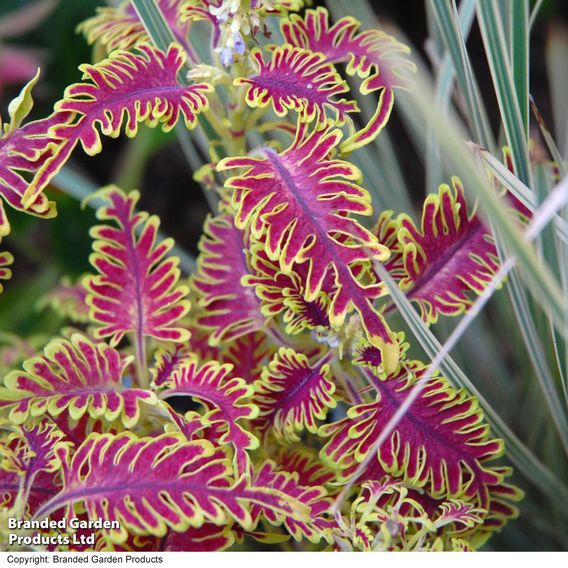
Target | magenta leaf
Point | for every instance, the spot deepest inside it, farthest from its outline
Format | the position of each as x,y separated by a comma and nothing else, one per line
373,55
248,354
305,463
6,260
228,401
151,484
293,395
301,200
282,293
77,377
43,488
441,444
125,89
136,289
120,27
228,309
207,538
451,255
68,299
167,361
313,497
30,450
297,79
23,151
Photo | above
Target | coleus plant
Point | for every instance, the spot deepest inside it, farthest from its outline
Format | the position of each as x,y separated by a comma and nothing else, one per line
279,347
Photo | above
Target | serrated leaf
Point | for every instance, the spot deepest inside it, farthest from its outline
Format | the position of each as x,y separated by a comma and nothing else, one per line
373,55
248,354
293,395
120,27
306,464
122,91
11,484
442,444
23,151
68,299
227,399
450,256
77,377
282,293
136,287
314,497
301,201
297,79
6,260
229,309
30,450
150,485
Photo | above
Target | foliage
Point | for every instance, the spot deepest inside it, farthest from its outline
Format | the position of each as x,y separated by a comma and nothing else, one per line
260,398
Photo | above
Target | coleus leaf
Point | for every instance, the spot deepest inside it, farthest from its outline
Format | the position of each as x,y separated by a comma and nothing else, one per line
6,260
458,512
373,55
297,79
293,395
77,377
121,28
167,361
15,350
23,151
301,200
125,89
248,354
136,289
207,538
502,509
43,488
229,309
199,10
68,299
304,462
451,255
441,444
32,451
151,484
498,509
282,293
314,497
228,400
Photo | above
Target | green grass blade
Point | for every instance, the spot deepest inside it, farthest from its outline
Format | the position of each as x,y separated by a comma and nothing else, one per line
534,13
435,174
557,66
494,39
520,191
533,344
553,252
550,143
449,23
519,38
